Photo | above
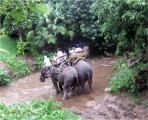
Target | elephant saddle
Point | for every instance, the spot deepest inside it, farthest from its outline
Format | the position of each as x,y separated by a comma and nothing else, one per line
75,60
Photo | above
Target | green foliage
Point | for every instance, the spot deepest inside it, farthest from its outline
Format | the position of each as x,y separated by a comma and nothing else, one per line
18,66
122,64
33,22
38,8
21,47
7,45
4,77
123,23
39,61
8,51
36,110
107,25
127,80
137,100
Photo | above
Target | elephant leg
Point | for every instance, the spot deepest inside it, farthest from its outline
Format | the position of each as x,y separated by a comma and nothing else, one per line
90,85
65,96
77,89
60,87
74,91
82,88
56,86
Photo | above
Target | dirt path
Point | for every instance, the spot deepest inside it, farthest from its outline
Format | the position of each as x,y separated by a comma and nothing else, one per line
94,106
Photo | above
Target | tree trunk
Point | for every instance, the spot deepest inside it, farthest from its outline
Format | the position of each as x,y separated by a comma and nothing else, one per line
21,40
20,35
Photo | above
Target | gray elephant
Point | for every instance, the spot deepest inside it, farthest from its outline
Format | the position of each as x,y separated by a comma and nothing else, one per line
85,74
65,79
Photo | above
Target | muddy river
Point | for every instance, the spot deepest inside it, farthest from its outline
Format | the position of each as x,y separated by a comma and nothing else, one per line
31,88
97,105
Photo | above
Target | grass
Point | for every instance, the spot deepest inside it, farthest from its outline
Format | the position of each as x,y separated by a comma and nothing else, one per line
7,45
19,66
36,110
4,77
8,51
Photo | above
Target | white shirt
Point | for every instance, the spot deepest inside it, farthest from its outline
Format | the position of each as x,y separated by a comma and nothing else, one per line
59,54
78,49
65,56
47,62
55,58
72,51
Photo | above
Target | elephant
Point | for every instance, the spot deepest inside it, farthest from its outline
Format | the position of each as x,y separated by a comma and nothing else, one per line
85,74
64,79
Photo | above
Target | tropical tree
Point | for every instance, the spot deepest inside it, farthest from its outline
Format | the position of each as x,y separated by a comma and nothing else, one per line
124,23
35,23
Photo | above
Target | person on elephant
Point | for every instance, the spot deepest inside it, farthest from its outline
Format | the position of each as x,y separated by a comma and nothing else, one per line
65,56
77,50
59,53
47,62
60,56
56,59
72,51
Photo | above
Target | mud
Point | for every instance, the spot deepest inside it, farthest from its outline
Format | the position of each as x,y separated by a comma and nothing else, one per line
113,107
91,106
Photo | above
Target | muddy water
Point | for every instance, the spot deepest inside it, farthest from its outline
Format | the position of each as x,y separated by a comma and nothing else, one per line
31,88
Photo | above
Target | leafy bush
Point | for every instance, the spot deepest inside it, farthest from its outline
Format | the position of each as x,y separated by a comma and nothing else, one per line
36,110
127,79
120,65
4,77
18,66
39,61
21,47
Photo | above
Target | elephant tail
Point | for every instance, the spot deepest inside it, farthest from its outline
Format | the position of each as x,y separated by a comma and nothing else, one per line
90,80
90,74
77,80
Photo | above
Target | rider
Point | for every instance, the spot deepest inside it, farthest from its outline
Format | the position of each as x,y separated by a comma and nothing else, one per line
47,62
56,59
77,50
72,51
59,53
